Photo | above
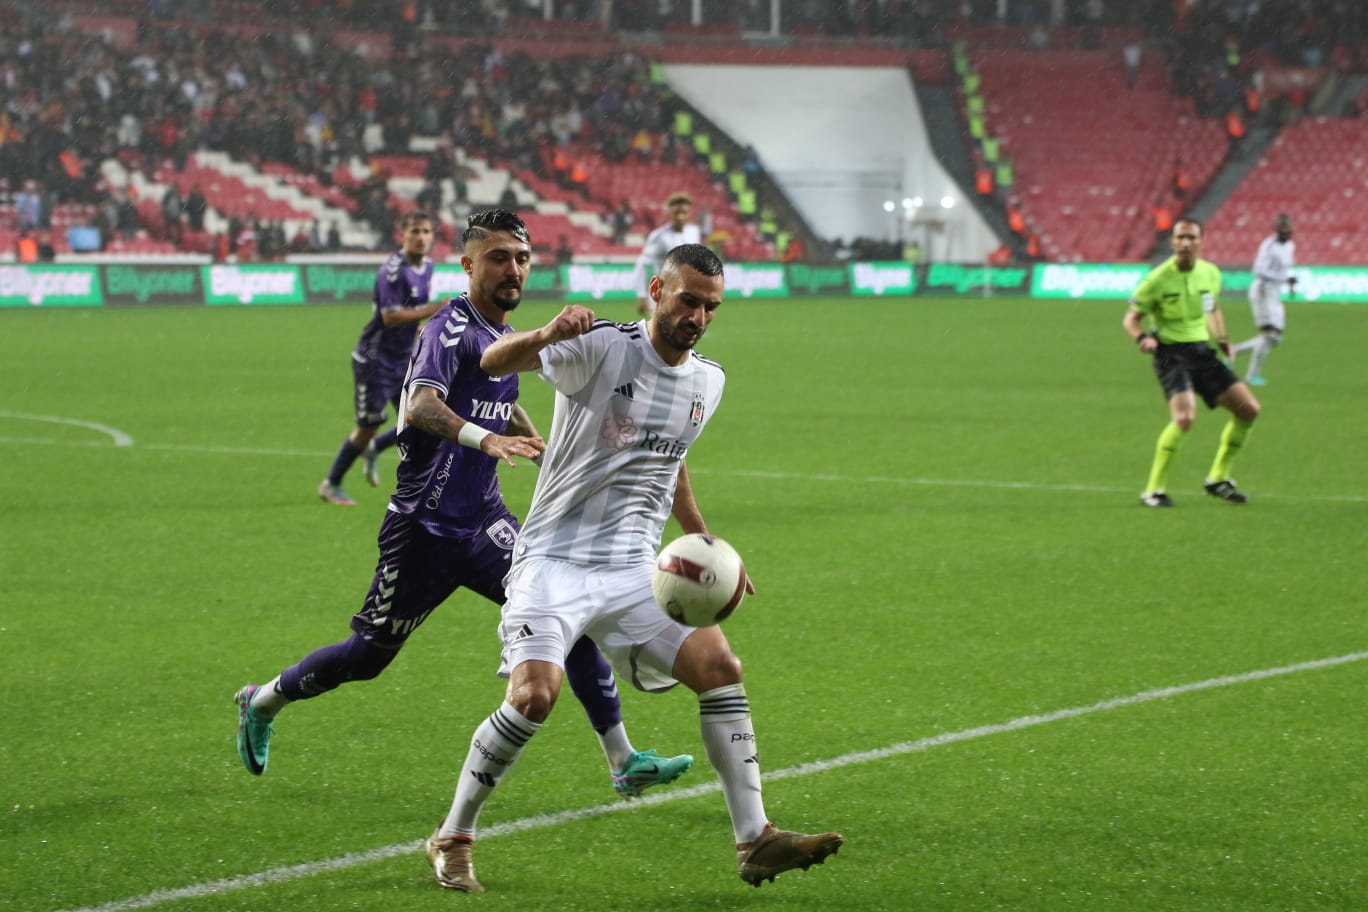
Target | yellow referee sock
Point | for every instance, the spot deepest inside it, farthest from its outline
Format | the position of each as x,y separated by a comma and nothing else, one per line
1170,439
1232,441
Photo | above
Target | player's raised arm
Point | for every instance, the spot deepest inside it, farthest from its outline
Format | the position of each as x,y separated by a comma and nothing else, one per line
518,352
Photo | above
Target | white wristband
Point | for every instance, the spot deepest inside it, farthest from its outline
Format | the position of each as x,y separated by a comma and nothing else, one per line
471,434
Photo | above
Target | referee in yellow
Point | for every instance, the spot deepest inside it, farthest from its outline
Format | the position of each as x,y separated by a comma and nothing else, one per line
1181,299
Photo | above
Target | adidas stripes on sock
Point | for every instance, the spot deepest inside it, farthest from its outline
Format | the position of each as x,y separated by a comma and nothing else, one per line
729,739
494,748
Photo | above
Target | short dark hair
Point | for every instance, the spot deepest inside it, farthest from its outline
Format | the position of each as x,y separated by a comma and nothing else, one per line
483,223
695,255
1191,221
417,215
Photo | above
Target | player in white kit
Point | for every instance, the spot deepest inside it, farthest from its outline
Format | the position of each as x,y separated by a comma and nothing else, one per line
631,398
678,230
1272,270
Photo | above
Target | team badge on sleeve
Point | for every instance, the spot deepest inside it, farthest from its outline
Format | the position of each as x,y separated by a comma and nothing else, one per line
696,413
503,534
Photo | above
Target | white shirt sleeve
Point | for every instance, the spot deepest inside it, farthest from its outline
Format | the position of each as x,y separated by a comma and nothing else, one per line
569,365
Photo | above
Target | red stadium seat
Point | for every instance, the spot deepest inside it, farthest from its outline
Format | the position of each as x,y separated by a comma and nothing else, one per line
1090,153
1317,172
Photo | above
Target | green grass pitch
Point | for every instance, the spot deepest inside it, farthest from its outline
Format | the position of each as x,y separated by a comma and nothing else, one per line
971,651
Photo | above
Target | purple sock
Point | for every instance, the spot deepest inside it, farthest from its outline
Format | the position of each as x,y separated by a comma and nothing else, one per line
591,678
386,440
327,667
345,457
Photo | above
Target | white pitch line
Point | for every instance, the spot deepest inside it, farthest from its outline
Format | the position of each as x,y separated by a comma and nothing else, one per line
342,862
897,480
172,447
234,451
119,437
732,473
995,485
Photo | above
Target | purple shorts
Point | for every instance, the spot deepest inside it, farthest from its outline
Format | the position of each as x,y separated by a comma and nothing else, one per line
417,571
376,384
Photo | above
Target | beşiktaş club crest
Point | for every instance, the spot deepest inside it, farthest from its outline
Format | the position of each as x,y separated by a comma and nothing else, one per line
696,413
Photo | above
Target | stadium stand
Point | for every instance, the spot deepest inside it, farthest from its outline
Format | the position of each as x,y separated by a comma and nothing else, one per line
1316,171
274,146
108,104
1091,155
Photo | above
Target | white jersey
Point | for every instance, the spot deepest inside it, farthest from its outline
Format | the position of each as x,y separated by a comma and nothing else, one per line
658,245
1275,259
623,421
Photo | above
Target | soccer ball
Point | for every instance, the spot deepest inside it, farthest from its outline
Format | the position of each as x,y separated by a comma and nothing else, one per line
698,580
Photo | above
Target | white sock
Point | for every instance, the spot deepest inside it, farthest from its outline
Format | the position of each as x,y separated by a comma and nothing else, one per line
1247,345
268,700
729,739
617,747
494,748
1257,356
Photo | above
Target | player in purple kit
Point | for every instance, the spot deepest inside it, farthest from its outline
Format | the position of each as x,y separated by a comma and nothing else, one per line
402,288
446,525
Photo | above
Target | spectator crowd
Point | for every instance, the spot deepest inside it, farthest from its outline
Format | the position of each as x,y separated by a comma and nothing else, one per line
70,100
294,88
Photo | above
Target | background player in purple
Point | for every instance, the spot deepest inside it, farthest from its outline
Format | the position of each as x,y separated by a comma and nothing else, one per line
446,525
402,288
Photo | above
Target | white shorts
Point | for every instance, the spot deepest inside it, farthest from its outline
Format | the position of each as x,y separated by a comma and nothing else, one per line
550,604
1265,300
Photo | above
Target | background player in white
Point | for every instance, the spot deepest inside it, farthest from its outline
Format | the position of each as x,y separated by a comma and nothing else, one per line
1272,270
678,230
630,401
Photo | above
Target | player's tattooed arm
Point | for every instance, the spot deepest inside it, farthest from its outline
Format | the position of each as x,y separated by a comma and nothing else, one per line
521,423
427,412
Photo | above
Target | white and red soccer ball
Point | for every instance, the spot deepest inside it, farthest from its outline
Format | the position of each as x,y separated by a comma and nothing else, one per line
698,580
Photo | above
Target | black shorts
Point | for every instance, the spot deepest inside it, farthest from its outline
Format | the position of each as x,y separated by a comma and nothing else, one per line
1183,366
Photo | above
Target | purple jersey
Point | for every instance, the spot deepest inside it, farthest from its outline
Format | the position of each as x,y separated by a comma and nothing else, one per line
398,284
448,488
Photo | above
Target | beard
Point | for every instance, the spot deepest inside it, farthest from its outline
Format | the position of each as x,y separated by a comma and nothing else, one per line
506,297
678,334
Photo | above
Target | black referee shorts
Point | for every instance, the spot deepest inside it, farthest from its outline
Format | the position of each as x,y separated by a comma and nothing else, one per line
1183,366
